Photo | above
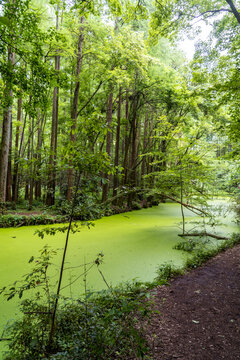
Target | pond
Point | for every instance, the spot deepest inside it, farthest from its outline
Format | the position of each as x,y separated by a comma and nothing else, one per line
133,244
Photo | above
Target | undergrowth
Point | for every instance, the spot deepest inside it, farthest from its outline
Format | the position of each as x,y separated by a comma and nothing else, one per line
103,326
199,255
14,220
202,255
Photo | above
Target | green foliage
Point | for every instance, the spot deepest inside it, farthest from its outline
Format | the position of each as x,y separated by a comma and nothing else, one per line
187,246
96,326
236,208
165,272
136,205
84,210
199,255
12,220
36,279
99,327
202,255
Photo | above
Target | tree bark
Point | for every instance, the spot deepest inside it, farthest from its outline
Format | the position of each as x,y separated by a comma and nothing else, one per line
38,185
31,165
74,111
132,175
127,140
204,233
50,199
234,10
145,132
16,157
9,171
105,187
117,145
6,128
28,172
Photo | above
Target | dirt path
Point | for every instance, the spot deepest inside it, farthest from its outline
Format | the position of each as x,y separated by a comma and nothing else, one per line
200,313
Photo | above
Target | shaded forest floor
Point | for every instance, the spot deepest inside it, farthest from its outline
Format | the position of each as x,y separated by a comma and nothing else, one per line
199,315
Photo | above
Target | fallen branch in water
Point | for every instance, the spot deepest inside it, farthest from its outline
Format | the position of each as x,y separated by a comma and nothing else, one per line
188,206
218,237
127,192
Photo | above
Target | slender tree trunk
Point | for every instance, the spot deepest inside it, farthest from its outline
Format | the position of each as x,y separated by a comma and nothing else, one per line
9,171
74,111
117,145
136,166
132,177
151,143
127,141
234,10
6,129
53,148
105,187
31,166
125,135
145,133
16,157
28,171
38,183
182,209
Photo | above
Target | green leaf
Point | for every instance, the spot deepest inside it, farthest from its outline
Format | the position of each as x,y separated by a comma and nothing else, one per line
4,21
31,259
10,296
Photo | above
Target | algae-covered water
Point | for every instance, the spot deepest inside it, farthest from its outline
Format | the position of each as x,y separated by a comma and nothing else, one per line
133,244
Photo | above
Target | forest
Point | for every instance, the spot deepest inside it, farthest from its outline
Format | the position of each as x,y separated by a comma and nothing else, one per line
102,113
99,94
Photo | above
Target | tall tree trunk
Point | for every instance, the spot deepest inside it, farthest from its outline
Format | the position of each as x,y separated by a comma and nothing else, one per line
145,133
38,183
117,145
105,187
136,166
74,111
6,129
31,167
28,171
234,10
132,175
151,143
9,171
127,141
53,147
16,157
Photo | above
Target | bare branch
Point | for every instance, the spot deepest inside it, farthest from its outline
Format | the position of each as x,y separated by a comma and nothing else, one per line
211,12
218,237
234,10
83,107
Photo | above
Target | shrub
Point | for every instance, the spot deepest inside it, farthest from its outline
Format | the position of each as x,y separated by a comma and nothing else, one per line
202,255
100,327
187,246
165,272
12,220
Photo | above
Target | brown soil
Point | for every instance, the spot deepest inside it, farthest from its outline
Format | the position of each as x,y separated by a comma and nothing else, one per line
199,313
